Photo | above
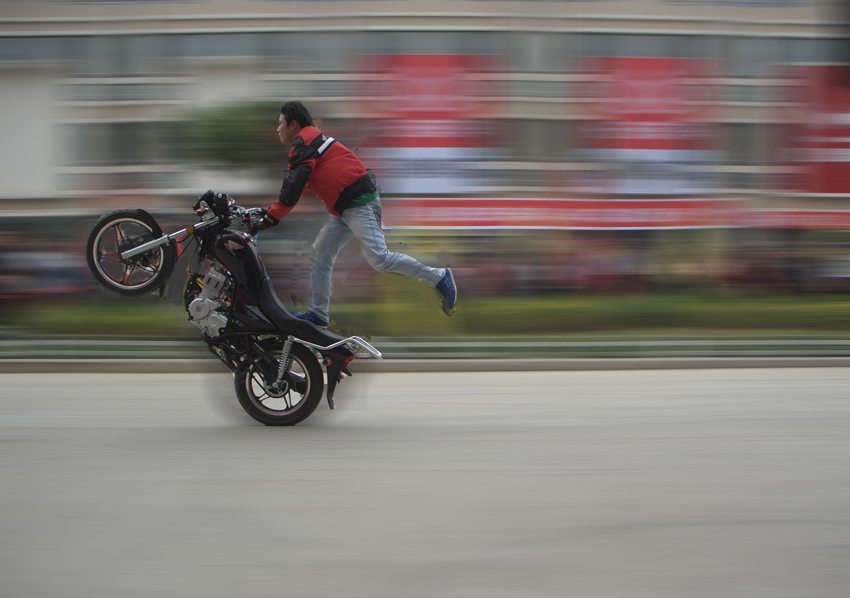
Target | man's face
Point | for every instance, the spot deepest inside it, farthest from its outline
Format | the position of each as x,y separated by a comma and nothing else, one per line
287,132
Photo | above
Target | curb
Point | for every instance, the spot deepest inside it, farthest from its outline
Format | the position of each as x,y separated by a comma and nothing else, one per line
187,366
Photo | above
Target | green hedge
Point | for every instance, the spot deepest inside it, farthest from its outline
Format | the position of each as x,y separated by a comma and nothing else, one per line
418,314
560,315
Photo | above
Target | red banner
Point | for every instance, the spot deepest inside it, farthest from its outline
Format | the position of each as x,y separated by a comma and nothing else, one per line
794,219
825,143
650,105
560,213
595,214
429,101
650,117
429,120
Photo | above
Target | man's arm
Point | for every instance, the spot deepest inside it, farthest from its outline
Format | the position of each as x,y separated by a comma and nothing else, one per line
302,159
291,191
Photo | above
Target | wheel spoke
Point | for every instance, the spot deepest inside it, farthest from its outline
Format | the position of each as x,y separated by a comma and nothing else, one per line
297,395
128,272
111,258
148,269
257,382
278,402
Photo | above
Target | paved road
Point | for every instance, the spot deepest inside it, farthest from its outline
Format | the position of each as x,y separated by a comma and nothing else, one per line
657,484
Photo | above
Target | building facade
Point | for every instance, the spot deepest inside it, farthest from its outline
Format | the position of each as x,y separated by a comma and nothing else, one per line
567,98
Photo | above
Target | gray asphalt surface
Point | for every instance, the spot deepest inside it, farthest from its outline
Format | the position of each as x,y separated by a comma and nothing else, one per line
684,483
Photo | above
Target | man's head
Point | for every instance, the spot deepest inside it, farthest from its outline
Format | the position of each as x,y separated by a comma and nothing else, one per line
294,116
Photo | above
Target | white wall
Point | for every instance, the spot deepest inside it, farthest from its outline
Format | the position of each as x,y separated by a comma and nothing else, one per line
27,128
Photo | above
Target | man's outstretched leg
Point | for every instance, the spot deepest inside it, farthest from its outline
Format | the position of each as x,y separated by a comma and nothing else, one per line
365,222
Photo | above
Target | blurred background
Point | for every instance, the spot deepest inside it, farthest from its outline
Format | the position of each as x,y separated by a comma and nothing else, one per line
593,171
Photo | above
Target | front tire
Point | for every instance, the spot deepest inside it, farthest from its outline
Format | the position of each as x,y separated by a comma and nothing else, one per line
299,393
117,232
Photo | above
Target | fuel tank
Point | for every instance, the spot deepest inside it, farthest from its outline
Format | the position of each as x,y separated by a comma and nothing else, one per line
239,254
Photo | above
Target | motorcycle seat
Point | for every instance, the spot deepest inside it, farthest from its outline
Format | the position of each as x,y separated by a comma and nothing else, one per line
283,319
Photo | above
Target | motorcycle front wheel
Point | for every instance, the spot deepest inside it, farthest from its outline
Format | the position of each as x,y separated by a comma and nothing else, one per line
114,234
290,402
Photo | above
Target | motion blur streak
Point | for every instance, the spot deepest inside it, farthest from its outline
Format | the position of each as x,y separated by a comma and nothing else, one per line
544,149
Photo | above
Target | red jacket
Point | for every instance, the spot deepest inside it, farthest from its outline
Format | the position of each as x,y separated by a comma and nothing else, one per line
326,167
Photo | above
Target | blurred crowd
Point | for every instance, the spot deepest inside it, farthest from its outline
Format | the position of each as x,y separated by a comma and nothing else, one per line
49,262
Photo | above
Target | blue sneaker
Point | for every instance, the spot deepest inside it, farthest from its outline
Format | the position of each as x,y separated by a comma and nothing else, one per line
312,318
448,292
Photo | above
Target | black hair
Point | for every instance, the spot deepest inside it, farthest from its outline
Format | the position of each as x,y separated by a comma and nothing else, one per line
298,112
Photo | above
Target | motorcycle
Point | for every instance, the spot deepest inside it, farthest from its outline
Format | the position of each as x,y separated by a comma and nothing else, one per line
276,358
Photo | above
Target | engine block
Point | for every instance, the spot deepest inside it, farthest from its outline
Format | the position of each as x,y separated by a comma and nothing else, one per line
206,310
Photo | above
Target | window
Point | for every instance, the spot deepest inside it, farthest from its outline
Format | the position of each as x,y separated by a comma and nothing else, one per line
40,48
111,144
743,56
744,144
538,140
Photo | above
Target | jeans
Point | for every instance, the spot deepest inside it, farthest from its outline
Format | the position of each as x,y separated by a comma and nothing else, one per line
364,224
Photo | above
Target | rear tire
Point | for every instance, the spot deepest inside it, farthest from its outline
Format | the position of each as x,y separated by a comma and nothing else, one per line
299,395
117,232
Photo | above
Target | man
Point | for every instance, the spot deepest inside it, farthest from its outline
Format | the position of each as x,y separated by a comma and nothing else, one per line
321,164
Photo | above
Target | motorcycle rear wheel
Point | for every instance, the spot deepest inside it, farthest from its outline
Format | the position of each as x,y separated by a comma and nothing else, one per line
117,232
298,396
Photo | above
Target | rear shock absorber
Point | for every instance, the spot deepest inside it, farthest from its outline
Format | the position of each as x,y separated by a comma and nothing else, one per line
285,360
